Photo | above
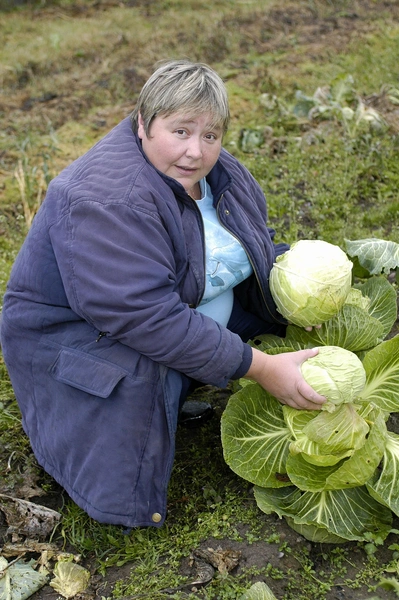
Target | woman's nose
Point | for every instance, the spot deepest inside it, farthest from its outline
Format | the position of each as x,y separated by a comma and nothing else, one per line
194,149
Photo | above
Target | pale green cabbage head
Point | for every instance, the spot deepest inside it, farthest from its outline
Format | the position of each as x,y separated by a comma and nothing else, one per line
310,282
356,298
336,373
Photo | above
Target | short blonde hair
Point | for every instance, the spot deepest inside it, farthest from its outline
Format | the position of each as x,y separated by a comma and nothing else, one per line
182,86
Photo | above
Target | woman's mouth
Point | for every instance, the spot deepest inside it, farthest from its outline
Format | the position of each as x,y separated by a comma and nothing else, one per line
187,170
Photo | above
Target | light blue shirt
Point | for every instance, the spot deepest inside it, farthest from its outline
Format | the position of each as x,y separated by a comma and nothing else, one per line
226,262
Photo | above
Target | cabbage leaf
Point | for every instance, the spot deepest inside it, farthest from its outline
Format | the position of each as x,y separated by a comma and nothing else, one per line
319,535
382,369
255,437
258,591
339,431
384,485
351,472
348,514
375,255
382,297
352,328
325,438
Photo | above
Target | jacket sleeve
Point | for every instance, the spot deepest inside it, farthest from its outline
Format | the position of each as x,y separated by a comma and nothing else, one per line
118,270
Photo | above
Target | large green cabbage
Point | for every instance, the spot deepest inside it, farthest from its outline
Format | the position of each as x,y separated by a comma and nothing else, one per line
334,476
310,282
336,373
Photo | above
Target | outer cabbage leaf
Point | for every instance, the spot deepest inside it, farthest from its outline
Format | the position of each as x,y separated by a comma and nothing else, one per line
296,421
384,485
351,328
307,476
320,535
382,297
255,438
19,580
375,255
258,591
273,344
382,369
277,501
349,514
350,472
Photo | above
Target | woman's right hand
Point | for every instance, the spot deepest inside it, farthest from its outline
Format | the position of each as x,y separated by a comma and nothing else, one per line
281,376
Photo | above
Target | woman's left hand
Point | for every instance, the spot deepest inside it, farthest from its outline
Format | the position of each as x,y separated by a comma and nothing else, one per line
281,376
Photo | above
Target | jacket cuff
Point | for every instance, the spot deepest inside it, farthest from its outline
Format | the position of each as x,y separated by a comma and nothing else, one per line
245,363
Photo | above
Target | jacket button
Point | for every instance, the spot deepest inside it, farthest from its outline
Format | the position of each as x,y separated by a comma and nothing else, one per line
226,212
156,517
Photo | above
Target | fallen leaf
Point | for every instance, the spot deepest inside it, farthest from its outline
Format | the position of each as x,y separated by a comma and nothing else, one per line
69,579
19,580
26,518
223,560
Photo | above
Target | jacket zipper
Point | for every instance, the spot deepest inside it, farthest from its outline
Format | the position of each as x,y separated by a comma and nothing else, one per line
203,247
249,258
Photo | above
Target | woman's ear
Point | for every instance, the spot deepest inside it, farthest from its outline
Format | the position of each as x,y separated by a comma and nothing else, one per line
140,126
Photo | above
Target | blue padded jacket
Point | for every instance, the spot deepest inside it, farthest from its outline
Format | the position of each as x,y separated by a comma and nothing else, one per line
99,320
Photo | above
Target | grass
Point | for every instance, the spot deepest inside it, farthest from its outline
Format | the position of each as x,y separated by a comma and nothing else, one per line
70,70
332,189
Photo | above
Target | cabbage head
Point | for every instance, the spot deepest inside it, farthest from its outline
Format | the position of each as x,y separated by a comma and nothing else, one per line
310,282
336,373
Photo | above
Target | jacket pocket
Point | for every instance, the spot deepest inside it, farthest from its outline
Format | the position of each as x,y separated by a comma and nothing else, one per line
86,373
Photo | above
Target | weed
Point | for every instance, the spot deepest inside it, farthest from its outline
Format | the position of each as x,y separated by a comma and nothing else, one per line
32,186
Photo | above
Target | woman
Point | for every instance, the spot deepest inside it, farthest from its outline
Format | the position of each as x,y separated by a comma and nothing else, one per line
145,269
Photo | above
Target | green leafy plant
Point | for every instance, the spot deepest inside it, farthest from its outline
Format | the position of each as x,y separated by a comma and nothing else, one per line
339,101
331,474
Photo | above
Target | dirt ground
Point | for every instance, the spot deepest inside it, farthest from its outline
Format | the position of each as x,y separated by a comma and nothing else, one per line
317,35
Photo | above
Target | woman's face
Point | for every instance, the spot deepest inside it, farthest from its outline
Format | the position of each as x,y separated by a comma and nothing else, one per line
182,147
